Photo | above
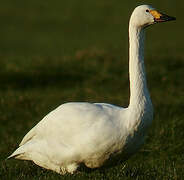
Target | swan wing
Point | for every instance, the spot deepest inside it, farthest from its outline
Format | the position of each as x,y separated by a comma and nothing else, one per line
74,124
74,118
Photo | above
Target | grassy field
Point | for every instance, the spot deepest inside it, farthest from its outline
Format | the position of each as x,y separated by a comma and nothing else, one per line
56,52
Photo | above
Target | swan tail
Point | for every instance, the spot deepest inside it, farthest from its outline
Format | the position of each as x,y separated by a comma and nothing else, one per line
19,153
24,146
23,152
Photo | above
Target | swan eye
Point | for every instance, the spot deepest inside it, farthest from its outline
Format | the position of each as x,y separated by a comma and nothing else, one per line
147,10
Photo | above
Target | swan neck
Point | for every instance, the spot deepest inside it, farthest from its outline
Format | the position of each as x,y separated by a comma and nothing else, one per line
139,95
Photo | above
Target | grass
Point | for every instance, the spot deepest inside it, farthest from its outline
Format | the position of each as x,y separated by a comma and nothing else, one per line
57,52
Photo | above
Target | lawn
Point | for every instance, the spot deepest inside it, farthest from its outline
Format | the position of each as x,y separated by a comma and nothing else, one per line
57,52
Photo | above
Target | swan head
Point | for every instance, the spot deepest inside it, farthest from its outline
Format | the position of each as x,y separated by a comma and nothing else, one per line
146,15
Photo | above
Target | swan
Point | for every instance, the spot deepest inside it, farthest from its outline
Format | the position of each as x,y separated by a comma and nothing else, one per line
91,133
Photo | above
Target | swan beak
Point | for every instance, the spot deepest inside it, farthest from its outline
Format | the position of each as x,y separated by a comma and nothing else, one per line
160,17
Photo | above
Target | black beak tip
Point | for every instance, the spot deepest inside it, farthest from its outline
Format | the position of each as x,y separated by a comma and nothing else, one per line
165,18
169,18
173,18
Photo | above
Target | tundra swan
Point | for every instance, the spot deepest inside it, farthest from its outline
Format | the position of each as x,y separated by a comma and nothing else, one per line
92,133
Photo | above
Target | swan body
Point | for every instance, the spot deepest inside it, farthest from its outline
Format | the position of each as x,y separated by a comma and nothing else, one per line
92,133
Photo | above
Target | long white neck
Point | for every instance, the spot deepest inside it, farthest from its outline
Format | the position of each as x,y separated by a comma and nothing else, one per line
139,95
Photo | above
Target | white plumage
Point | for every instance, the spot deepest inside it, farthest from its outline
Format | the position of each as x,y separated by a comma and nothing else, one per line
92,133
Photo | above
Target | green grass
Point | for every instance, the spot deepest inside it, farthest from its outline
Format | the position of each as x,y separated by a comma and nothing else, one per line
52,53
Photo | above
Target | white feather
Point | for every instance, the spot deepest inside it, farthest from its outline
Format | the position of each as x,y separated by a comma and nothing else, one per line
91,133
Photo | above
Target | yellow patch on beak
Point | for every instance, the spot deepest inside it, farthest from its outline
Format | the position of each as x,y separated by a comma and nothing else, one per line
155,14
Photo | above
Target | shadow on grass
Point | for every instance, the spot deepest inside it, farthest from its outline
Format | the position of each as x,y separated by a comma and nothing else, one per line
30,80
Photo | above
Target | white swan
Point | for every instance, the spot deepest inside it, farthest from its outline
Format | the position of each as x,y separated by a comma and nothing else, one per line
92,133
